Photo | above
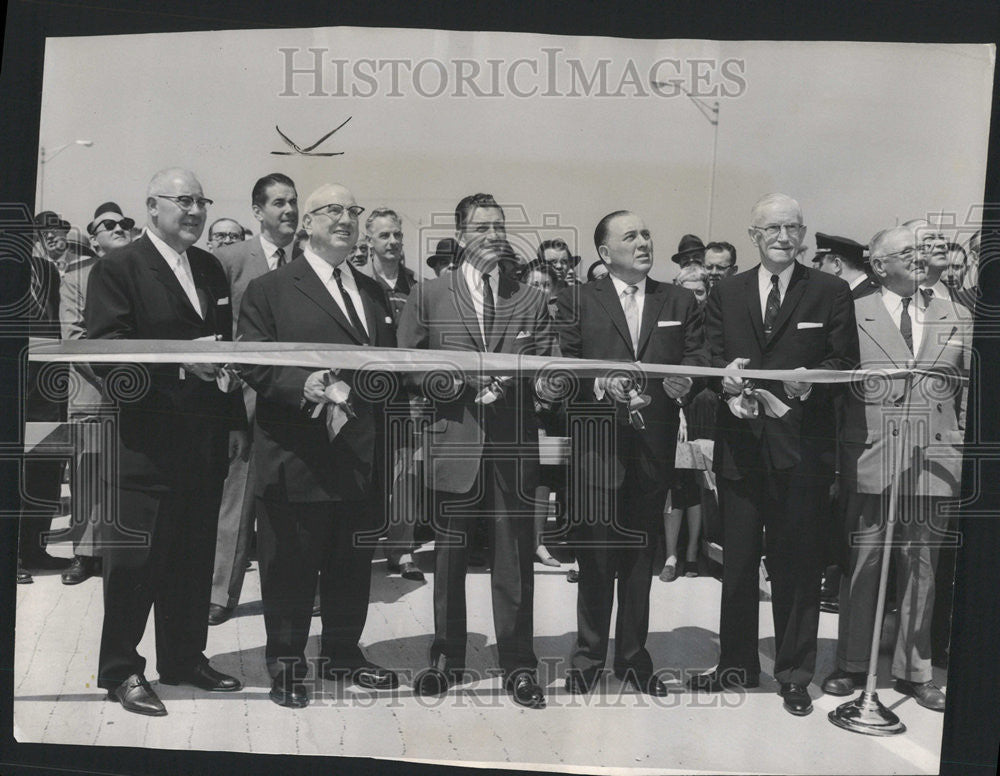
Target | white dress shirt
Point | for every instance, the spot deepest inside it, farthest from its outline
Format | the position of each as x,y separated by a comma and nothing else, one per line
764,284
270,249
894,304
474,280
181,267
325,272
640,295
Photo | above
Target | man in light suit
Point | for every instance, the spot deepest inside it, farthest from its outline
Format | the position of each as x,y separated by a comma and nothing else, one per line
175,442
275,205
483,458
895,327
775,472
625,317
320,460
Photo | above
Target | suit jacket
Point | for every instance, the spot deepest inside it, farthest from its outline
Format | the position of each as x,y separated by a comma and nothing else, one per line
864,288
175,433
85,394
294,459
242,262
933,459
591,324
734,328
440,315
44,395
398,294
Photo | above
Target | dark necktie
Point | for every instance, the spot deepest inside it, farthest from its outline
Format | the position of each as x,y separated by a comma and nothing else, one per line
352,311
773,304
906,323
489,308
280,256
928,294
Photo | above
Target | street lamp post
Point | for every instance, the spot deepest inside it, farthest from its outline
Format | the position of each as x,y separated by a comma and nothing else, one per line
44,158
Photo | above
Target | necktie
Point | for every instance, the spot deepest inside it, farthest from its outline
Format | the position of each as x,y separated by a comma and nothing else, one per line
352,311
631,308
906,323
928,294
489,308
280,256
773,304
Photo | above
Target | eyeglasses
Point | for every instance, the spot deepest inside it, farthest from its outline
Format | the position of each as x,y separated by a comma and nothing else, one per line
773,230
109,225
227,237
186,202
907,255
335,210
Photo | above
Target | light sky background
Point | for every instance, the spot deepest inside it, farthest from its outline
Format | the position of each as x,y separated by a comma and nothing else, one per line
860,133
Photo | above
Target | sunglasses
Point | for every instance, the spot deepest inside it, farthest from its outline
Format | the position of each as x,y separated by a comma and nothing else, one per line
109,225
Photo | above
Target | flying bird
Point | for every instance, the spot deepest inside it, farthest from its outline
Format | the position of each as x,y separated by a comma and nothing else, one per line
308,151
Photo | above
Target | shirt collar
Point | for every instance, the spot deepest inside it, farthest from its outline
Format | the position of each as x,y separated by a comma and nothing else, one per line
325,270
173,258
940,290
474,276
893,300
269,249
784,277
620,285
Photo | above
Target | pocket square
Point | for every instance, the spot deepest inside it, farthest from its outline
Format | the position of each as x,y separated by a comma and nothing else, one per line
388,319
522,334
809,325
661,324
224,300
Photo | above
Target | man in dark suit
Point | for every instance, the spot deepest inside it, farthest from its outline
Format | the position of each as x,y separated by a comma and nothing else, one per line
625,317
844,258
275,205
173,444
483,457
775,472
318,437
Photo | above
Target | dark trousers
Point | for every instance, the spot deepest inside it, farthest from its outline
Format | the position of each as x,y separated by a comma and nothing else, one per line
296,542
606,552
788,506
171,572
497,498
42,486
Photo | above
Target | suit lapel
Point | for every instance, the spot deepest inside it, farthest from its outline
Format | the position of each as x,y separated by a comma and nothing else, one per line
257,261
163,273
507,298
933,343
655,297
608,299
465,307
368,305
875,321
796,288
752,295
308,282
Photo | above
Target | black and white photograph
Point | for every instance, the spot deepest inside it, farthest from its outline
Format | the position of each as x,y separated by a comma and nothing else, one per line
513,400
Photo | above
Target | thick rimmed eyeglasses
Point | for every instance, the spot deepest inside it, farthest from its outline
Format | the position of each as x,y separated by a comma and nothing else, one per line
185,202
773,230
907,255
335,210
109,225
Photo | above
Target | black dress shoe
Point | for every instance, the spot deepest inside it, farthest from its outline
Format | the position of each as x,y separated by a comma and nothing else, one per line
204,677
78,570
368,675
410,571
797,700
579,683
45,562
218,614
928,694
572,576
644,683
287,691
135,695
430,682
23,577
844,682
523,687
725,679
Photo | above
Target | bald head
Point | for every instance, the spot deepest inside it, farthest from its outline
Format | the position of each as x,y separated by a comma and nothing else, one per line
179,226
333,230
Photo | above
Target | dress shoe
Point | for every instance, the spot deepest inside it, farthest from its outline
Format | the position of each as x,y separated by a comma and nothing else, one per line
204,677
927,694
797,700
578,683
287,691
218,614
369,675
45,562
649,684
430,682
572,576
724,679
544,557
135,695
844,682
669,573
691,568
23,577
523,687
78,570
410,571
